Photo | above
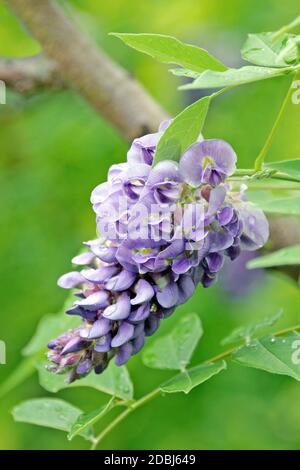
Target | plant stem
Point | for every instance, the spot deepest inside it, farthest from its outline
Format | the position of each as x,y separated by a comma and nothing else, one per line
279,175
156,392
270,187
261,157
285,29
287,330
124,415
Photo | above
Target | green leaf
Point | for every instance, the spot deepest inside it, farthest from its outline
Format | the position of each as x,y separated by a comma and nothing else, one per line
186,381
184,73
87,420
24,369
113,381
284,257
277,355
49,412
172,51
175,350
182,132
287,205
246,332
261,49
51,326
290,167
15,38
232,77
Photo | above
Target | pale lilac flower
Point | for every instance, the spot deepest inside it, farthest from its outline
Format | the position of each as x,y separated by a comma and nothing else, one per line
129,283
207,162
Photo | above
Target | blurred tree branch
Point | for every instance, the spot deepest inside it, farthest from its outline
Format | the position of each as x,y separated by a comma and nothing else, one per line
76,61
29,74
105,85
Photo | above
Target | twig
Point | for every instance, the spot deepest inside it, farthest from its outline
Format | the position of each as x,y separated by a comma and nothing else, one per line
106,86
156,392
122,416
261,157
27,75
102,82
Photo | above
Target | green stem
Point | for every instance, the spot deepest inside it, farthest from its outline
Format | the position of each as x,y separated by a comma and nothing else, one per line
122,416
261,157
156,392
270,187
286,28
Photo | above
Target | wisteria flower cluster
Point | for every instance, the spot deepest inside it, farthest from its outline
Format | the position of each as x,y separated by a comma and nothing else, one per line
163,229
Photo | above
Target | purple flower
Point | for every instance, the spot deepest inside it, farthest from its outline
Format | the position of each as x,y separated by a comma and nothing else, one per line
207,162
255,227
143,148
164,182
70,280
171,227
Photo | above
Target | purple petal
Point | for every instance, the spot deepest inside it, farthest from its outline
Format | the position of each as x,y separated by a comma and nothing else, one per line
86,314
70,280
84,367
142,149
70,360
52,344
151,325
193,221
140,314
116,172
214,262
201,161
233,252
74,345
166,312
124,256
168,296
207,280
123,354
101,274
176,248
95,301
103,252
225,215
216,199
219,241
123,335
186,288
165,171
103,344
100,328
163,125
138,343
100,193
144,292
222,153
120,309
255,227
181,266
138,329
138,171
83,258
121,281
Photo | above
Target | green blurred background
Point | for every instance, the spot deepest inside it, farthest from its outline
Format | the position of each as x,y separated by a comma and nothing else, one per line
55,149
